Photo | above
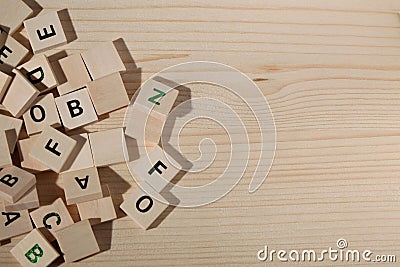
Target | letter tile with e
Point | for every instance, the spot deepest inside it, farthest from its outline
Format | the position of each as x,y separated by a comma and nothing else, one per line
45,32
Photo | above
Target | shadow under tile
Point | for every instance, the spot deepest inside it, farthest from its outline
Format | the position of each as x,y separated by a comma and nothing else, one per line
132,77
67,25
117,185
35,6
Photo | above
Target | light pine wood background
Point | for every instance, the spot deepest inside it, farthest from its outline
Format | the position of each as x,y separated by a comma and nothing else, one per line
331,73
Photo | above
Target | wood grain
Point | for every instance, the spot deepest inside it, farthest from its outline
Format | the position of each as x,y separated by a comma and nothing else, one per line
330,71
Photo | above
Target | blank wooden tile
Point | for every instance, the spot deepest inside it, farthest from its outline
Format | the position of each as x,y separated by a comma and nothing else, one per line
39,72
102,209
77,241
107,147
75,71
12,52
20,95
81,185
65,88
12,127
143,208
42,113
12,14
81,157
52,217
14,183
5,156
27,162
53,149
5,81
108,93
14,223
28,201
34,250
103,60
45,32
143,126
155,168
76,109
157,97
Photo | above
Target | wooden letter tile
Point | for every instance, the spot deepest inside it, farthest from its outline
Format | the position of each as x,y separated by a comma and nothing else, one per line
27,162
14,223
142,126
45,32
11,52
149,111
12,127
42,113
75,71
81,157
76,109
157,96
82,185
12,14
77,241
108,93
101,209
143,208
5,157
103,60
107,147
29,201
14,183
156,169
5,81
65,88
34,250
39,72
52,217
53,149
20,95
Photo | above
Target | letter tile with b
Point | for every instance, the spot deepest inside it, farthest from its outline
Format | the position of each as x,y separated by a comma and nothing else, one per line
14,183
76,109
34,250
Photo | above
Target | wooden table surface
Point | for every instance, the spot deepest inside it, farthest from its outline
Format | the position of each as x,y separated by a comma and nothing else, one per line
331,73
